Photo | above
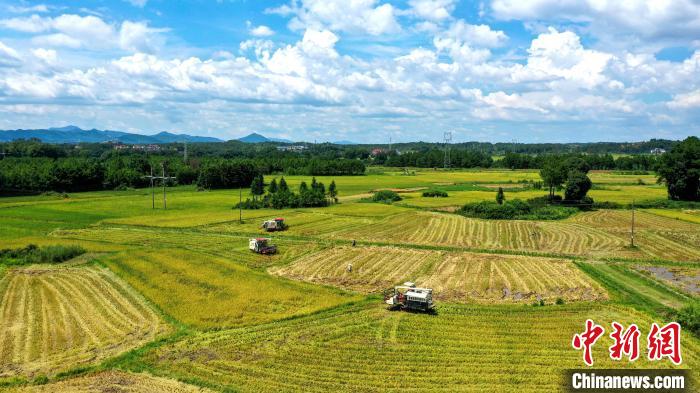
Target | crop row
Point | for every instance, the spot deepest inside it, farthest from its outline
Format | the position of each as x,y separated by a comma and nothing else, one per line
54,318
457,276
367,348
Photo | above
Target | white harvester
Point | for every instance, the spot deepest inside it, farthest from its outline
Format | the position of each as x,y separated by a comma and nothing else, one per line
409,297
261,245
274,225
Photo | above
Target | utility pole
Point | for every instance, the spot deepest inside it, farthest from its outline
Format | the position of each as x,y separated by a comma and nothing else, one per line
447,141
185,152
163,179
632,237
390,145
240,205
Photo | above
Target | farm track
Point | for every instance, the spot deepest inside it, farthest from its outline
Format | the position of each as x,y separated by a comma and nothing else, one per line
454,276
57,318
364,348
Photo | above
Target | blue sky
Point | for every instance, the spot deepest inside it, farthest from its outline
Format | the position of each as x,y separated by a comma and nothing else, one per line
361,70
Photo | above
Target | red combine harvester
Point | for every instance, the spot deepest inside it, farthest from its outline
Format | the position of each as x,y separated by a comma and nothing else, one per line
274,225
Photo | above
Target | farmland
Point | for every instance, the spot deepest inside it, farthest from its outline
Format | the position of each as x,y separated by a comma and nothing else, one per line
364,348
173,300
54,319
454,276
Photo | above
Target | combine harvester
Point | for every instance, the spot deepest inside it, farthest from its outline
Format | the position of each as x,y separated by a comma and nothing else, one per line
409,297
274,225
261,245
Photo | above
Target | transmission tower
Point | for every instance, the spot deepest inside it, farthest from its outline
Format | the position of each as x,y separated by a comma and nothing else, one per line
447,141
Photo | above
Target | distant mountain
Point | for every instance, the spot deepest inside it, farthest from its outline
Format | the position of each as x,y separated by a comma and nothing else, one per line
73,134
345,143
257,138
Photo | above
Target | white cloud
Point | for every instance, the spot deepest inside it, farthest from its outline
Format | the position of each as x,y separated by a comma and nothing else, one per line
138,36
8,56
478,35
366,16
46,55
434,10
261,31
89,32
686,101
676,20
18,9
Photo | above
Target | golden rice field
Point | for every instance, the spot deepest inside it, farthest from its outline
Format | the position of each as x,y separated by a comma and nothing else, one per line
429,228
210,292
657,236
113,382
57,318
454,276
367,348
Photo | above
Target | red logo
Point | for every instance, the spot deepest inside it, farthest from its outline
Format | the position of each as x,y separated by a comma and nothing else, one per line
665,342
586,340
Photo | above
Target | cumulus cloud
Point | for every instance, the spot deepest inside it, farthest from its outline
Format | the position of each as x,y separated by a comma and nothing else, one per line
48,56
138,3
261,31
686,101
677,20
433,10
20,9
366,16
91,32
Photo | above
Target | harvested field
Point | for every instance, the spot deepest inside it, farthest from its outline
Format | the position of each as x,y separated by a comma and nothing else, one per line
366,348
454,276
458,231
114,382
657,236
58,318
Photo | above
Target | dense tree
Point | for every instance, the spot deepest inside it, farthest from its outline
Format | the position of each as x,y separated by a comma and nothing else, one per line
257,187
680,170
500,196
272,188
577,186
283,187
332,192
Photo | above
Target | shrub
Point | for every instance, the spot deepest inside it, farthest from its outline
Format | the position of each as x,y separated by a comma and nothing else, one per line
515,210
435,194
386,196
34,254
560,301
689,317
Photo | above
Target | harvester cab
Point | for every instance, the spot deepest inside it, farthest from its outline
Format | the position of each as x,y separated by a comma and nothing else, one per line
274,225
262,245
409,297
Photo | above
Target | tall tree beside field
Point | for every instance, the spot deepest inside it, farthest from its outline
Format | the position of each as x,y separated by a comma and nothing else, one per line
272,188
283,187
332,191
257,187
680,170
553,174
500,196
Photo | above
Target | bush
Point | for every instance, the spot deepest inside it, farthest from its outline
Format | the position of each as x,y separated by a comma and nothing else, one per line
33,254
689,317
515,210
435,194
386,196
560,301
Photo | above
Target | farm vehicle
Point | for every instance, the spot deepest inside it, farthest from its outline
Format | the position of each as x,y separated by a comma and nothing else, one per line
409,297
262,246
274,225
